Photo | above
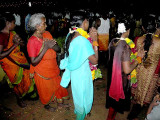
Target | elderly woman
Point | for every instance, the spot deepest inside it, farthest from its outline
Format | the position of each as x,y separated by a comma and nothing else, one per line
42,50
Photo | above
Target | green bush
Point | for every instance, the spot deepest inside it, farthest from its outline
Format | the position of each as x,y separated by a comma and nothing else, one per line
61,41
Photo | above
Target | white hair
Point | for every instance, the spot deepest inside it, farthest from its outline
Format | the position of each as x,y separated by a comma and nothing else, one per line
35,20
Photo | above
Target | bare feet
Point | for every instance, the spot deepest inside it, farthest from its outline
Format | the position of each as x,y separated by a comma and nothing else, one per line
49,108
62,105
21,103
89,114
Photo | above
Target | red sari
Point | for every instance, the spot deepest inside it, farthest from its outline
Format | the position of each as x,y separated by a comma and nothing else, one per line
46,73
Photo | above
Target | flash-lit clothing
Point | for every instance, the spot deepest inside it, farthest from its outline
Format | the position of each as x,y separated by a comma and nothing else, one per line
77,70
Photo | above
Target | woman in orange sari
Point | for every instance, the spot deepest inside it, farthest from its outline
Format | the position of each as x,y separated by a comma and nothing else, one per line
13,61
42,52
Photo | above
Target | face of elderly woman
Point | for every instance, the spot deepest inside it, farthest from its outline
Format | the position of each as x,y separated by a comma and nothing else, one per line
42,27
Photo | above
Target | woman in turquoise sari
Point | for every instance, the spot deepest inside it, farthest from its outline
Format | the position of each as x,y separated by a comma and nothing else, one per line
78,53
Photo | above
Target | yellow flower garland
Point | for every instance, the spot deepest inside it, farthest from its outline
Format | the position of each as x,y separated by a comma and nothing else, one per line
133,57
93,72
82,32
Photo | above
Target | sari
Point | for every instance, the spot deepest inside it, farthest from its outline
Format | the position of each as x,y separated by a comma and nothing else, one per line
46,73
18,77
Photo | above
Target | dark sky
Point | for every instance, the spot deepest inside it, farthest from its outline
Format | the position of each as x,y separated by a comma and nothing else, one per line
51,5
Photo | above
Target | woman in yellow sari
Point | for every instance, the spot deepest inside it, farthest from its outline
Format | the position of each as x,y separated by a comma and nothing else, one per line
13,61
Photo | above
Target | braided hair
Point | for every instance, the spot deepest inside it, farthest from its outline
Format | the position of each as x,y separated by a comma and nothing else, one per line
149,25
76,20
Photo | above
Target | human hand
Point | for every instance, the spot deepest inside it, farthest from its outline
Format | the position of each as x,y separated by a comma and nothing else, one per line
93,33
49,43
141,53
17,40
155,99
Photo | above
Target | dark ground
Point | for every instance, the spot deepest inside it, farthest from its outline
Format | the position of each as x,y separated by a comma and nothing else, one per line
9,110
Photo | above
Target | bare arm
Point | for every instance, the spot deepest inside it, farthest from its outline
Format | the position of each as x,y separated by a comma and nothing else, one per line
47,45
57,48
154,103
4,54
94,58
127,67
36,60
16,41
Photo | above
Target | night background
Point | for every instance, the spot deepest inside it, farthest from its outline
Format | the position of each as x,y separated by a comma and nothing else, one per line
9,110
138,6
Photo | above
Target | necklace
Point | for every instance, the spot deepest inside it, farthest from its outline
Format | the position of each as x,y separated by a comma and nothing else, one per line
96,73
82,32
39,39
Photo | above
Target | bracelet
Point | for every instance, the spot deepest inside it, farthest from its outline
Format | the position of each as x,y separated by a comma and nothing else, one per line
95,43
139,59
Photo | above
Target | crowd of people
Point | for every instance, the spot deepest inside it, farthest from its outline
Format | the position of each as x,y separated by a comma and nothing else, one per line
128,45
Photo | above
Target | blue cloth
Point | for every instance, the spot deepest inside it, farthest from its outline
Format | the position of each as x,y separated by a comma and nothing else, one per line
26,22
77,70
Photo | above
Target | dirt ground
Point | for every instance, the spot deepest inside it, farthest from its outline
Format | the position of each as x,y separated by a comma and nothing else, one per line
9,110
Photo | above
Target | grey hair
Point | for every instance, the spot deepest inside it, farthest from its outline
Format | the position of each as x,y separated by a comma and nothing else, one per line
35,20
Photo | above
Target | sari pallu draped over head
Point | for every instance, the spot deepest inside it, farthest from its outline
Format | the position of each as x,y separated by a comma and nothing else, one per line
116,88
18,77
47,74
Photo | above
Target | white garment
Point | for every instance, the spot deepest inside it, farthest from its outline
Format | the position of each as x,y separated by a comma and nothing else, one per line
155,113
104,27
18,19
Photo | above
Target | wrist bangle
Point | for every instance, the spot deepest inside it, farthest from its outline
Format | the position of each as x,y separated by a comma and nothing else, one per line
139,59
95,43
